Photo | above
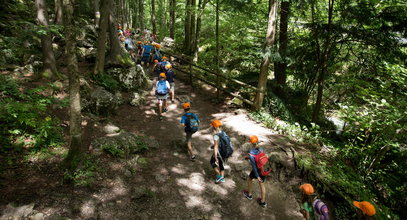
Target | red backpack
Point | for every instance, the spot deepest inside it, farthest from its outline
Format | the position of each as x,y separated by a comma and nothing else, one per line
261,160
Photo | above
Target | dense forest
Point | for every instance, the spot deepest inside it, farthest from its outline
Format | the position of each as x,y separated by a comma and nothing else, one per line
330,75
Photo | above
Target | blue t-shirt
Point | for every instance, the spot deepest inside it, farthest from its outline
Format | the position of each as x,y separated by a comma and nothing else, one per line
147,50
184,118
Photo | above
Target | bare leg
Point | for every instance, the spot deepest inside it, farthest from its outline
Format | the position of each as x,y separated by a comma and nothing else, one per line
222,173
263,191
189,145
217,171
172,95
249,185
160,109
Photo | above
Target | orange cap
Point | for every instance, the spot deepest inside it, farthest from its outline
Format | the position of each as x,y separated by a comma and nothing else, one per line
186,105
139,42
155,61
165,58
307,189
158,46
146,42
254,139
216,123
168,66
162,75
366,207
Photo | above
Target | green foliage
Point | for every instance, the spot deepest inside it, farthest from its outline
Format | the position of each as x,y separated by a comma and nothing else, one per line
113,150
107,81
24,117
85,172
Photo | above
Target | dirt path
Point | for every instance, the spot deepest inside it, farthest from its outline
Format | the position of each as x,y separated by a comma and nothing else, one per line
186,189
168,186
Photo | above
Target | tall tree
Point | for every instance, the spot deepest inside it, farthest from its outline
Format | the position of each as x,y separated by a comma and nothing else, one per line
323,58
141,14
173,4
76,146
101,42
153,16
192,32
96,5
187,27
115,51
49,69
58,12
281,66
267,48
201,8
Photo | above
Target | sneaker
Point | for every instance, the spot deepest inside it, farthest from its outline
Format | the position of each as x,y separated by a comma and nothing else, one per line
218,179
222,180
262,204
193,157
165,110
247,195
172,101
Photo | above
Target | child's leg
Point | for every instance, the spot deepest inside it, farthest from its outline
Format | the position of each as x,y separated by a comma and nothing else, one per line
263,191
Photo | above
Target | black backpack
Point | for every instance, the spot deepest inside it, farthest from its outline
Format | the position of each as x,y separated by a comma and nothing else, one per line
225,145
191,123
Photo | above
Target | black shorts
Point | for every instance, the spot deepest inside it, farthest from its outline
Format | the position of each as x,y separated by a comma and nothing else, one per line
221,167
252,176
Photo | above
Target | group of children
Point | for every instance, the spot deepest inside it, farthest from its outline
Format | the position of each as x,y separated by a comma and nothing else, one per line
311,206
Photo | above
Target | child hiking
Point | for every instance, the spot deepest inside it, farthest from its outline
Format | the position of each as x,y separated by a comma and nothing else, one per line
190,121
312,207
170,78
257,160
222,149
162,89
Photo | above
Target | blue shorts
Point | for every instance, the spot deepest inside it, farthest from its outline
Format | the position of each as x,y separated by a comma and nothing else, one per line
145,58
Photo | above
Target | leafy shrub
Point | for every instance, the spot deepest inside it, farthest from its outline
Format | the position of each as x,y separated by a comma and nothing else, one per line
84,174
106,81
112,150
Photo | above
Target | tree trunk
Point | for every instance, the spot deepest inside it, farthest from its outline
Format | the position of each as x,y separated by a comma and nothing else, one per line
268,44
201,8
115,50
49,69
280,67
97,13
153,17
141,14
172,18
101,42
75,123
187,26
324,63
217,49
192,32
58,12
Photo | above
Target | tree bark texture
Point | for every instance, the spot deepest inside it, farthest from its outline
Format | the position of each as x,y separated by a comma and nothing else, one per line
97,12
201,8
153,17
173,4
187,26
114,50
217,49
58,12
281,66
193,28
75,125
49,69
101,42
141,14
268,44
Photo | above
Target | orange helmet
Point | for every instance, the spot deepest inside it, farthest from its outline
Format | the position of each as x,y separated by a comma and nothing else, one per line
158,46
145,42
165,58
254,139
365,207
307,189
139,42
155,61
216,123
186,105
168,66
162,75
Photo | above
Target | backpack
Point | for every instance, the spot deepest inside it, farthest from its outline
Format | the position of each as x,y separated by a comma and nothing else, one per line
161,88
191,123
158,55
319,207
262,160
226,146
147,49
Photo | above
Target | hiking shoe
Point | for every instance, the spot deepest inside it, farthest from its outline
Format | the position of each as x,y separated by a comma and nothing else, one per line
247,195
219,179
222,180
193,157
262,204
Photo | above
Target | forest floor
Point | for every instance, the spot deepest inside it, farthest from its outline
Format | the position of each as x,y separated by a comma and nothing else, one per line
167,186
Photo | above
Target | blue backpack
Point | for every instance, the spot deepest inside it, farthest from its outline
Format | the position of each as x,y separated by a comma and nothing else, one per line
161,88
191,123
226,147
147,49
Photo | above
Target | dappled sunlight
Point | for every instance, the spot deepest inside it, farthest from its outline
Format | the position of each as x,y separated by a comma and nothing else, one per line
178,169
199,202
88,209
195,182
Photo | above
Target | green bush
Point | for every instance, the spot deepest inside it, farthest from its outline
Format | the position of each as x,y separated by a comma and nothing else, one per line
106,81
85,174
